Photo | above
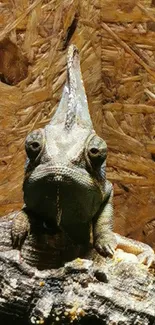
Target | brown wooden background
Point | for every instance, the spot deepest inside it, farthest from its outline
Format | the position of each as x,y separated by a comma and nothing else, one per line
116,39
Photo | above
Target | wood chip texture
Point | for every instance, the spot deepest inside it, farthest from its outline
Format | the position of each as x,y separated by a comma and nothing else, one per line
116,39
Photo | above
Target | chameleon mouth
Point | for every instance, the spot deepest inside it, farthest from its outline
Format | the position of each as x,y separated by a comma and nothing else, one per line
59,210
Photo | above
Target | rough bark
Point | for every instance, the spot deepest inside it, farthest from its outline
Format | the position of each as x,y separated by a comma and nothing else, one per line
83,291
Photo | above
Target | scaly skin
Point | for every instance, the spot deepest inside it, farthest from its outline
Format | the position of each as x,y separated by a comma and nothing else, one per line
65,186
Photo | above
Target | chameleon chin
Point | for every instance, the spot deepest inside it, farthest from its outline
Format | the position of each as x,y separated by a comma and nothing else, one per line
65,185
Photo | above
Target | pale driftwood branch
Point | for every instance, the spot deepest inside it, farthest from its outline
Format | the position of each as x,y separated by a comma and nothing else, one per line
82,292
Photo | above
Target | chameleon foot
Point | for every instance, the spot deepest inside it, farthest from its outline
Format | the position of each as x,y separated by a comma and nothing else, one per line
106,245
147,257
144,252
20,229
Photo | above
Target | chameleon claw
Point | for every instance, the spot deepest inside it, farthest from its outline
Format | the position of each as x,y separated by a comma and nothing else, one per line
147,257
106,249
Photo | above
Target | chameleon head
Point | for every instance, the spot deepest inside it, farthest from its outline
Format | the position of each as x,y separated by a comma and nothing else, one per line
65,168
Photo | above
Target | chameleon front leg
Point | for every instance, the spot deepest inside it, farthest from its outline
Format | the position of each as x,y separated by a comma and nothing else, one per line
106,241
104,238
20,228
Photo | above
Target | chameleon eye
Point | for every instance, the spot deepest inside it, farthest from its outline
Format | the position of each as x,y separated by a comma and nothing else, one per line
34,144
93,152
97,151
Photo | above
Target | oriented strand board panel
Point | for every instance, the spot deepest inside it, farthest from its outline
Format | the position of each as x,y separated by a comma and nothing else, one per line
116,39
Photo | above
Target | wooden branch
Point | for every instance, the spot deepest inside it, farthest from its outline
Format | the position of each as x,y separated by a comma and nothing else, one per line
83,291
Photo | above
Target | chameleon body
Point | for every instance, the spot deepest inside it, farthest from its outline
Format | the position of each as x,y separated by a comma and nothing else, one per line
65,186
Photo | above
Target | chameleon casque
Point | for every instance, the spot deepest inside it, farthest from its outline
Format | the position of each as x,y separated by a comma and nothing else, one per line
65,186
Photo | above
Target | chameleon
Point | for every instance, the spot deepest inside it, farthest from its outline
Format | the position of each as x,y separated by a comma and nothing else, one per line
65,186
